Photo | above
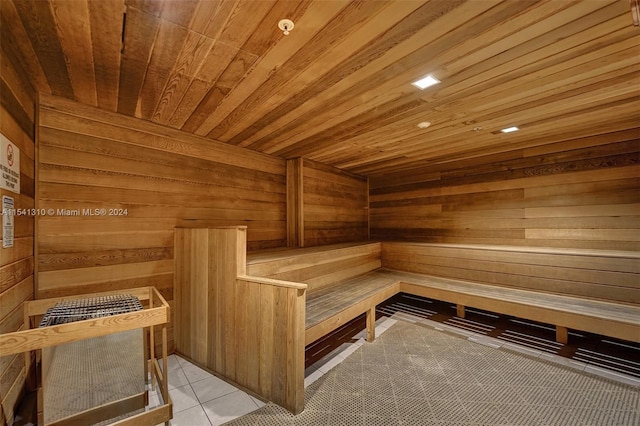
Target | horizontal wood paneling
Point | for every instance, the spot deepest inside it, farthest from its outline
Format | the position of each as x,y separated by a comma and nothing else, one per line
334,205
598,274
17,123
584,193
91,159
316,266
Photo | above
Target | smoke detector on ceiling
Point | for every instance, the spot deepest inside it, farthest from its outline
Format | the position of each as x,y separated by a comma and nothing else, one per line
285,25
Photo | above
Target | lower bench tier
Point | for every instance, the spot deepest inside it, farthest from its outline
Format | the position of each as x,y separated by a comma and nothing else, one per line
331,307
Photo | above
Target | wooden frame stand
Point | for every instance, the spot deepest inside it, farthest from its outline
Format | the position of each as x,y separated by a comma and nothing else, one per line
155,314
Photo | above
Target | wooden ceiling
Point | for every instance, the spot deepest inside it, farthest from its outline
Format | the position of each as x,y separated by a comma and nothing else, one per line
337,89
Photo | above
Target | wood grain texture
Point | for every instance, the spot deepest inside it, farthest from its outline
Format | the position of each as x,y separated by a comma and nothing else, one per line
615,320
90,159
224,71
251,331
591,290
334,205
325,205
336,305
318,267
581,193
595,274
295,203
31,338
17,122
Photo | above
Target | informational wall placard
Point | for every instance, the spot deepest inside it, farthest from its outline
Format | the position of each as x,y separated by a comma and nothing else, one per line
8,208
9,165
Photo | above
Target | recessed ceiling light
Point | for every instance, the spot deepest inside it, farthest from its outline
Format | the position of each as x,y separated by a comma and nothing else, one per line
510,129
425,82
424,124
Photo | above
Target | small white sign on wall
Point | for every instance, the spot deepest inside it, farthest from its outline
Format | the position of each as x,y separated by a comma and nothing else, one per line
9,165
8,208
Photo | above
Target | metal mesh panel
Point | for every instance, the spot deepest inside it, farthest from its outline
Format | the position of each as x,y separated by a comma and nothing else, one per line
453,382
95,307
82,375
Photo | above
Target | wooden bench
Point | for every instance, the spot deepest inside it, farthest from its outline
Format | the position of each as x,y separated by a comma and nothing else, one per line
590,290
340,282
565,312
249,317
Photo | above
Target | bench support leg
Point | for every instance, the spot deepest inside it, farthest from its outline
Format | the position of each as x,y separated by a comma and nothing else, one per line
562,335
460,309
371,324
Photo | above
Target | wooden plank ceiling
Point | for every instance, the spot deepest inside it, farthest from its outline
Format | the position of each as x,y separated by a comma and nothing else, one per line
337,89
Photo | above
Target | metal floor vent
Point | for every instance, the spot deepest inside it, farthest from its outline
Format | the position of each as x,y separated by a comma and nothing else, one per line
533,342
96,307
625,366
592,349
412,309
467,324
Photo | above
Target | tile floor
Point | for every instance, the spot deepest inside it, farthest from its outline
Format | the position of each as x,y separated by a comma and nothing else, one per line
201,399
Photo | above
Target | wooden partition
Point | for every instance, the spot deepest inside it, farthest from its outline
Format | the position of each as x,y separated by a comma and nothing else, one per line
580,193
325,205
247,329
607,275
17,118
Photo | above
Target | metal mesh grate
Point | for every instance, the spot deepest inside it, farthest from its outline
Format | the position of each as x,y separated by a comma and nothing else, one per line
453,381
95,307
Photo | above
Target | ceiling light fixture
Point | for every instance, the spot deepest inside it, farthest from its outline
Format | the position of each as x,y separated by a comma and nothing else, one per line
510,129
424,124
425,82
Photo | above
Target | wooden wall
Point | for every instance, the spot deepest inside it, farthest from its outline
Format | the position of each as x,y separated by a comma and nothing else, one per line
609,275
17,118
580,193
93,159
326,205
